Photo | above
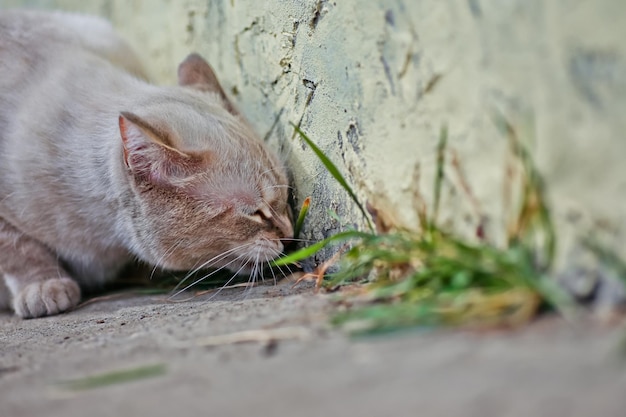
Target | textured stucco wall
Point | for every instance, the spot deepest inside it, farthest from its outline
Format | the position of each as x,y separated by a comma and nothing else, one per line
373,81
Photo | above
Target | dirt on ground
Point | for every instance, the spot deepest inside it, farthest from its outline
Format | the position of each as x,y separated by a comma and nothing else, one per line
273,353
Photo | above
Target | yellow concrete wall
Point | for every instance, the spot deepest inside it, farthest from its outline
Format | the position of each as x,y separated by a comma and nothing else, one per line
372,82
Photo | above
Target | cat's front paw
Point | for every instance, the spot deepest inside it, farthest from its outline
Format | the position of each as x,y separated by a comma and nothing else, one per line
45,298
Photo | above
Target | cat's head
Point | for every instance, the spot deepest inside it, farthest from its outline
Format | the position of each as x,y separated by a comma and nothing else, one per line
206,192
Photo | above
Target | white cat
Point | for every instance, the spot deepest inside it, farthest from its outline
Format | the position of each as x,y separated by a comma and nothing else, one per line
98,167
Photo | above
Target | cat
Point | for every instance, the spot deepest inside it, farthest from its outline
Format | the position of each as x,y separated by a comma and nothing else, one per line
99,168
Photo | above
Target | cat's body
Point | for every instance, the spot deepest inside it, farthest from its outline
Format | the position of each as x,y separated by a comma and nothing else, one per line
98,167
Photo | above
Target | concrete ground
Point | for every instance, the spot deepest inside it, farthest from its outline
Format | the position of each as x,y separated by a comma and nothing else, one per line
549,369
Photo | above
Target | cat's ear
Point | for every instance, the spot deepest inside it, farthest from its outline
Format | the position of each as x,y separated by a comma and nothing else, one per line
149,154
195,72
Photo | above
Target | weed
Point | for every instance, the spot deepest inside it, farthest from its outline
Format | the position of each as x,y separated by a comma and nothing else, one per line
433,277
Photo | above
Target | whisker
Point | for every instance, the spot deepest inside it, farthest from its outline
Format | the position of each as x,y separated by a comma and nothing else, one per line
291,239
220,256
208,275
252,278
277,186
165,255
271,208
260,268
277,254
282,272
227,283
207,263
286,266
271,269
266,171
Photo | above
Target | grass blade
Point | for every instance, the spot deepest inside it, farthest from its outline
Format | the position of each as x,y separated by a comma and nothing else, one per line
334,171
314,248
441,149
115,377
534,216
301,216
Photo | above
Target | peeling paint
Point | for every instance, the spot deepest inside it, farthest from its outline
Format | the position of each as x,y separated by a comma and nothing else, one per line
319,11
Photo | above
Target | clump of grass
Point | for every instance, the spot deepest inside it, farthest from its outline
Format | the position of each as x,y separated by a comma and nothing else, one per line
434,277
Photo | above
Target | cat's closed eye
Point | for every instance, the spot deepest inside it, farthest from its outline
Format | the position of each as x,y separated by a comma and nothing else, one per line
258,216
262,215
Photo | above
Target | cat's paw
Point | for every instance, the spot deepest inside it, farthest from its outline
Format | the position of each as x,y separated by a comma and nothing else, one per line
45,298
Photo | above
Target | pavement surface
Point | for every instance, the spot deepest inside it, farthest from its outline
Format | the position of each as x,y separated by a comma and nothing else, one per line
272,353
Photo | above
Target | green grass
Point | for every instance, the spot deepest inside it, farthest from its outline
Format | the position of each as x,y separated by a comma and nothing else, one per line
334,171
113,378
402,278
304,210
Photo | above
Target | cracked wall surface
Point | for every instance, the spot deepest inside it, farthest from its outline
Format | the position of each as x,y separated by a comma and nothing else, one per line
373,83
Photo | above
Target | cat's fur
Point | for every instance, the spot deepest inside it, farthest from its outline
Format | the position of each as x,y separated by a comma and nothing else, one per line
98,167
